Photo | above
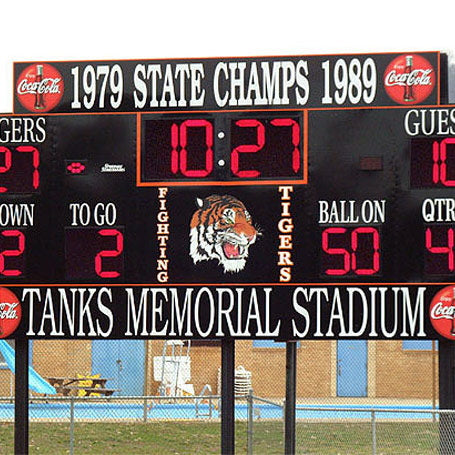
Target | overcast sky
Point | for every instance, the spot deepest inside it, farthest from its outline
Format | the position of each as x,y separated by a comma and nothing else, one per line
136,29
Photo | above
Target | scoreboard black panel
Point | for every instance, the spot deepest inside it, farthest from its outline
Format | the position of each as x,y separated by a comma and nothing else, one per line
375,190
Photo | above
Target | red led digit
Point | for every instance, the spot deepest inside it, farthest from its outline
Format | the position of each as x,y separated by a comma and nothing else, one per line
362,245
336,251
355,243
174,151
12,253
295,139
35,160
6,165
109,253
18,168
435,162
208,151
179,138
440,162
447,249
248,148
443,155
93,253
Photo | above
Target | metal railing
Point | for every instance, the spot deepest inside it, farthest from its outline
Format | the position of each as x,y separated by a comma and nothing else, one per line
385,427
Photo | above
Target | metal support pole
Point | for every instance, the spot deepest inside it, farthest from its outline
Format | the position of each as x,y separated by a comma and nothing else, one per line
434,353
289,411
446,396
227,397
21,398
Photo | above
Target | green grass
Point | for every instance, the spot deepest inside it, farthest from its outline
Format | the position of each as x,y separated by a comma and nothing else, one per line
190,438
356,438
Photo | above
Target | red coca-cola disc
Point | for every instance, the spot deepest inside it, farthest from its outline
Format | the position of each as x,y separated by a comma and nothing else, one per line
409,79
39,87
442,311
10,312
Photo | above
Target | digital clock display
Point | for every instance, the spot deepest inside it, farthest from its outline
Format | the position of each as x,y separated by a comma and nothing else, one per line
257,147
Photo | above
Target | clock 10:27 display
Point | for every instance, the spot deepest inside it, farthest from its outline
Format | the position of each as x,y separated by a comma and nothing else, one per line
254,148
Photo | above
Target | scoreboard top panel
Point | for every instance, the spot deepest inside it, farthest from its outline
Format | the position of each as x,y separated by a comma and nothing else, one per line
286,82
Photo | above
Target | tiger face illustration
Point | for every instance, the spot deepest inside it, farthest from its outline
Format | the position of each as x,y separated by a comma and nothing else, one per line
222,229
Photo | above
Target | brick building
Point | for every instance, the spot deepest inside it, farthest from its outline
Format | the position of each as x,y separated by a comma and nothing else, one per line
376,369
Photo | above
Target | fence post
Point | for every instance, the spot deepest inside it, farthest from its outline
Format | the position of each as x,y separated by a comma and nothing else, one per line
144,414
72,425
250,422
373,431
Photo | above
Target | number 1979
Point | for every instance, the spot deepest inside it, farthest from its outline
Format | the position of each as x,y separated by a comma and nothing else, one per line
96,86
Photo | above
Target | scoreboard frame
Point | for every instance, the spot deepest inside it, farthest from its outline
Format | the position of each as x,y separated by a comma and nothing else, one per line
106,129
354,83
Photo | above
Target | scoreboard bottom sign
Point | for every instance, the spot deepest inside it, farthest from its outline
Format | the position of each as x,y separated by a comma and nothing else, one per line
297,312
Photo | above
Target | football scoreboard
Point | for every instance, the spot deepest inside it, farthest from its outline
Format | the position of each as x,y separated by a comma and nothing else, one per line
297,197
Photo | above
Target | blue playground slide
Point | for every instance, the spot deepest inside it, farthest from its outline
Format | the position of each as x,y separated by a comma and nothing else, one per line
35,381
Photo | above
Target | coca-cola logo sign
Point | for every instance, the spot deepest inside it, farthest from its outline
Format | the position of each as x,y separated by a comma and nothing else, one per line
409,79
10,312
39,88
442,312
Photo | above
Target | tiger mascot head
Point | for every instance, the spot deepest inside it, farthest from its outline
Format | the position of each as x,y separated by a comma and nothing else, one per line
221,229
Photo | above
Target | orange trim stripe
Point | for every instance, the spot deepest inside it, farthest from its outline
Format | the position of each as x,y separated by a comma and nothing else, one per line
169,285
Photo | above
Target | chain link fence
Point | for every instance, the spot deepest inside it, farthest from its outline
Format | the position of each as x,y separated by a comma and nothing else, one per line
142,425
159,397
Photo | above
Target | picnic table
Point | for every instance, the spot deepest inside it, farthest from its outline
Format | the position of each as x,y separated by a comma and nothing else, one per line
82,385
